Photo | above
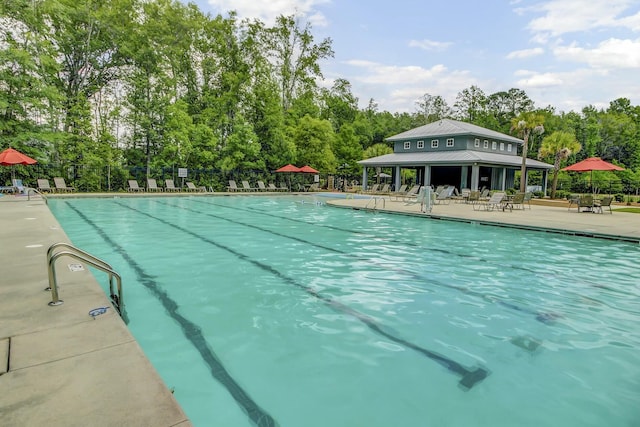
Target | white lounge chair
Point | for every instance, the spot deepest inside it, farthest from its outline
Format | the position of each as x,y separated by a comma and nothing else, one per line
152,185
133,186
495,201
170,186
61,185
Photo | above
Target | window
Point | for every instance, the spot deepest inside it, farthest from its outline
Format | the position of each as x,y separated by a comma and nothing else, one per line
502,146
450,142
476,143
407,145
509,148
486,144
420,144
434,143
494,145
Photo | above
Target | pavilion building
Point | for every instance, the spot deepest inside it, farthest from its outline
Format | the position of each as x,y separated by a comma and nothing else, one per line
450,152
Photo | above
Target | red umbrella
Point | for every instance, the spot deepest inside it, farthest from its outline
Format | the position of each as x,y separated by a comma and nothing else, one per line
592,164
11,157
288,168
307,169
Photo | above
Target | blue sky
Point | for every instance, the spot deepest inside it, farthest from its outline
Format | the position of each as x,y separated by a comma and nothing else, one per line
564,53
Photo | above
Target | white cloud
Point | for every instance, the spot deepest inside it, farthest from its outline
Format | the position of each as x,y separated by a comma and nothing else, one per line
611,53
429,45
567,16
525,53
532,79
268,11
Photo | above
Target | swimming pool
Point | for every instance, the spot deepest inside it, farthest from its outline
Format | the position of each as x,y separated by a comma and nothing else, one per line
269,311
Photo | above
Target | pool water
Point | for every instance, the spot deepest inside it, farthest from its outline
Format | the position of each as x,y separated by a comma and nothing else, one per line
285,311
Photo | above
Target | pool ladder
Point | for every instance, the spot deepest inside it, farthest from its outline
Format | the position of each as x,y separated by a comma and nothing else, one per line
79,254
375,200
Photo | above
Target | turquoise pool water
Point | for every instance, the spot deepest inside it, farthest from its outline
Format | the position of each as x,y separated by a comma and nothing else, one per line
270,311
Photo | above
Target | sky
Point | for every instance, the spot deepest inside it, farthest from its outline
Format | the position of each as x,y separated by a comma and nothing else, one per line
564,53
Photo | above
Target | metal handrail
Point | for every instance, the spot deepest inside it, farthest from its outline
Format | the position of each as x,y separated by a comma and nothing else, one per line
29,190
375,202
86,257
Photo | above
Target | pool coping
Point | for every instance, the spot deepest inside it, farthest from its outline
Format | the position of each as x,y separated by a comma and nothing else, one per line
61,365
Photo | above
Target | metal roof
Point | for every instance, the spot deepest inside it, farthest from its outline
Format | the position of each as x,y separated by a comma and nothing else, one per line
451,158
448,127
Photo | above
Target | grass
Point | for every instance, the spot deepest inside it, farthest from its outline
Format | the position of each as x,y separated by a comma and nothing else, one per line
630,210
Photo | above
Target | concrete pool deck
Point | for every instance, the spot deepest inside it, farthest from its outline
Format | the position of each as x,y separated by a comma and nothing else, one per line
59,366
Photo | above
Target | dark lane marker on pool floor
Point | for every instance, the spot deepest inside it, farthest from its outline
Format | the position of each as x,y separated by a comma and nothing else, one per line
547,318
469,377
191,331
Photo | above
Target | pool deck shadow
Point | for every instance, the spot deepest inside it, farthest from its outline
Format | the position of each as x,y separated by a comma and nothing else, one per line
58,365
61,367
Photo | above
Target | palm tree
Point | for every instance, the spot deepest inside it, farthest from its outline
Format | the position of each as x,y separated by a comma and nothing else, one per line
526,124
560,145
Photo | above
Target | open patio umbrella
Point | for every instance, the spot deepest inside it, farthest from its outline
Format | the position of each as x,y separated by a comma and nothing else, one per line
307,169
289,169
11,157
592,164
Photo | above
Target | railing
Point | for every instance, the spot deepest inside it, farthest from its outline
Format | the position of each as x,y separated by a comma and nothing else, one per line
86,257
375,200
33,190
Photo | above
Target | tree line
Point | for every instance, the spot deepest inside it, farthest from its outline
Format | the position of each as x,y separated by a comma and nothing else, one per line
149,86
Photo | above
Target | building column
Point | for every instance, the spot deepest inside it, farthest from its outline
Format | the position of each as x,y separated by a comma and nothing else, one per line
397,179
504,179
364,178
464,176
475,177
427,175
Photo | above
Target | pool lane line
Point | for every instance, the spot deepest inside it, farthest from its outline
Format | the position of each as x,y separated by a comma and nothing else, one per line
364,234
470,377
192,332
544,317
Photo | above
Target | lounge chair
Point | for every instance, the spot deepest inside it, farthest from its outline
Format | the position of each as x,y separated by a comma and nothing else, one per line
412,194
494,202
373,189
261,186
232,186
192,187
44,186
133,186
604,203
247,187
19,187
443,197
170,186
61,185
401,190
314,187
386,189
272,187
152,185
283,187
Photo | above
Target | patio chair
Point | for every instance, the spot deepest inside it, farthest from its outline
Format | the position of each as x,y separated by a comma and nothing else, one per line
494,202
386,189
574,199
604,203
272,187
192,187
170,186
133,186
61,185
373,189
247,187
443,197
585,201
517,202
261,186
152,185
44,186
283,187
474,197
